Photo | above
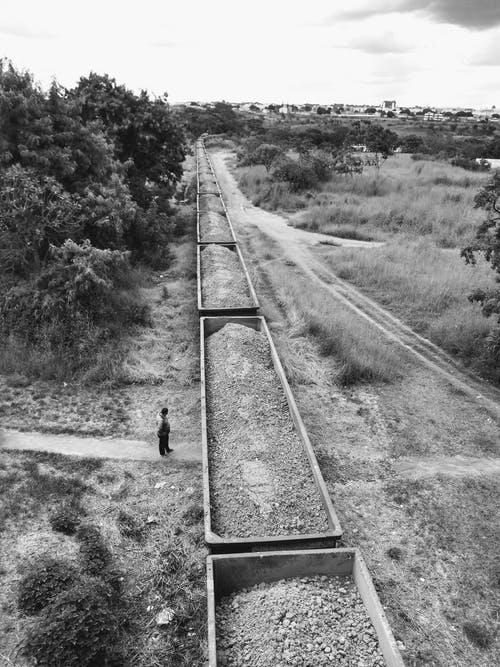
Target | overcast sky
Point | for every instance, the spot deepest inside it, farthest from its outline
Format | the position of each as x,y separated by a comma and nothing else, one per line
436,52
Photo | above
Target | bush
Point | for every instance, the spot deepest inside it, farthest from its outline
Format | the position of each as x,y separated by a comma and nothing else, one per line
129,526
477,634
44,583
193,515
66,518
299,176
75,304
77,629
95,556
470,164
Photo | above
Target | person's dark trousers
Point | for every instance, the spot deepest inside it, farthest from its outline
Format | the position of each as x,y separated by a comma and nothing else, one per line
163,444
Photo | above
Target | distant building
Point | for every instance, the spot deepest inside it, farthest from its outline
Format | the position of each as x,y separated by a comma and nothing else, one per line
389,105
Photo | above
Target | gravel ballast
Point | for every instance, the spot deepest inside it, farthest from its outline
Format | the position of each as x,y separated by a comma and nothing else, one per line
308,621
261,481
223,281
214,227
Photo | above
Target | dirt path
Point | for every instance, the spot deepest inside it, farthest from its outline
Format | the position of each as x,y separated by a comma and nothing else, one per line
297,246
109,448
455,466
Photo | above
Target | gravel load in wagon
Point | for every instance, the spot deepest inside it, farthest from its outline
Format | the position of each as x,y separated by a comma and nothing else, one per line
223,281
210,203
208,187
261,482
310,621
214,228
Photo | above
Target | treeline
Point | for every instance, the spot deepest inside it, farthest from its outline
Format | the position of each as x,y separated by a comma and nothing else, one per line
318,152
87,177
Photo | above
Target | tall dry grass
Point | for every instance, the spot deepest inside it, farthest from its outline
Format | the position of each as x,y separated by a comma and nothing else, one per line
361,351
424,198
428,288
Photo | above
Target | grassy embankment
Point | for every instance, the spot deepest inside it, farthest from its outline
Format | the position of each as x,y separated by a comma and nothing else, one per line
424,212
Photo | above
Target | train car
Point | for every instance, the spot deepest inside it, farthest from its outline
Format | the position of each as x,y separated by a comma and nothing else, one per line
229,290
313,506
229,574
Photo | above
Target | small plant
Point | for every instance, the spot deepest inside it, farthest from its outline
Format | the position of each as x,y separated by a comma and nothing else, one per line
477,634
193,515
95,556
66,518
129,526
45,582
77,629
395,553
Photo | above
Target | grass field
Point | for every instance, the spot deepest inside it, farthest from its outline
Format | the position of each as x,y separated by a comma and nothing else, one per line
427,287
424,212
414,198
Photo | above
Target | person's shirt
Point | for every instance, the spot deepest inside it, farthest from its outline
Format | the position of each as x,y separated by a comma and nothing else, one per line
163,424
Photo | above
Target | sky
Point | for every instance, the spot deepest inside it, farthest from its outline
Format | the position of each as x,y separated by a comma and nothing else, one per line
426,52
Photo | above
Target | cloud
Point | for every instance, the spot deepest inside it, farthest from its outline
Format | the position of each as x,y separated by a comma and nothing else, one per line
488,57
378,44
473,14
163,44
17,30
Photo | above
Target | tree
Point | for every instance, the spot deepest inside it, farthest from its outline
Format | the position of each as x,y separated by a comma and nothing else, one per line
371,110
266,154
413,143
144,132
487,242
381,142
35,212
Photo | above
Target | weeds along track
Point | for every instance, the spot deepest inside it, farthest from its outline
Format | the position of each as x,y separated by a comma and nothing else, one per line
276,583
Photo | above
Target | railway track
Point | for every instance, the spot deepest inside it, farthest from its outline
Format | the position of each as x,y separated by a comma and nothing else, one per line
268,514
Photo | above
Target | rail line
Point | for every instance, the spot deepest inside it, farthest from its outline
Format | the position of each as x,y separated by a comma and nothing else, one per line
260,553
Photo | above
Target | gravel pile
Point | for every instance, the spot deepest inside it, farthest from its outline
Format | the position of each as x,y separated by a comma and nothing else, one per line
210,187
261,482
223,282
211,203
214,227
308,621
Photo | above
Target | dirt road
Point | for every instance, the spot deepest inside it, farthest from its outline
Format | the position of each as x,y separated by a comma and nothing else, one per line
298,245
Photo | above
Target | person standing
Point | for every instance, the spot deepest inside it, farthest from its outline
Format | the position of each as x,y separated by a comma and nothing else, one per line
163,431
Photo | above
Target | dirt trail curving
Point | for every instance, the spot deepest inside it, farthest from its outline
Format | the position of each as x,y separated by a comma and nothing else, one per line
297,246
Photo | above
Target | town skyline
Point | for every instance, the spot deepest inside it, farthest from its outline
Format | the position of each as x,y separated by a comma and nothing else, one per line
441,52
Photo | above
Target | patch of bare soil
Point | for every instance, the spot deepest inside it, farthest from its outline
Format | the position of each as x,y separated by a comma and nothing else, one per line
431,543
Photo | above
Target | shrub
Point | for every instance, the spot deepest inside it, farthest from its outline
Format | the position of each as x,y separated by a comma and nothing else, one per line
40,586
77,629
193,515
477,634
95,556
66,518
299,176
129,526
470,164
76,302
